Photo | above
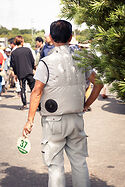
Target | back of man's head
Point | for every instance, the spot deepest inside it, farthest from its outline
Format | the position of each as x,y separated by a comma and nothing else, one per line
61,31
19,40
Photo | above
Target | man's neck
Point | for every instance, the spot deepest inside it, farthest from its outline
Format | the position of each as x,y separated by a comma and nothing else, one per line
59,44
19,46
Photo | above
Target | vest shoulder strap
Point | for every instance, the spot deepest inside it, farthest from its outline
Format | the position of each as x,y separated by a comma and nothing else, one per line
47,69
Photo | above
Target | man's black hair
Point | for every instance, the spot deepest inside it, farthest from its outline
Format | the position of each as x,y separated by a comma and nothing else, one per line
61,31
39,39
11,41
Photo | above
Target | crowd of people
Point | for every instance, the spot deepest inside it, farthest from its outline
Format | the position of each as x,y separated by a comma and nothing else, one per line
18,64
9,79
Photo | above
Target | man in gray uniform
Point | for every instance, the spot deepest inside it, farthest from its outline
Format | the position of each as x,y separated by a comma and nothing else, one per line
60,84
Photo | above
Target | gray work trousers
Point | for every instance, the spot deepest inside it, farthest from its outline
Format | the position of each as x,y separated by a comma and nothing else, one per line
60,133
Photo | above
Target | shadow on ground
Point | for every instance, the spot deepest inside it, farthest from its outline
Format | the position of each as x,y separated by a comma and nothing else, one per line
13,176
7,96
15,107
113,105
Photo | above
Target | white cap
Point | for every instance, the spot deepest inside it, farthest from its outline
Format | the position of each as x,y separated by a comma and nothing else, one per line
46,33
7,49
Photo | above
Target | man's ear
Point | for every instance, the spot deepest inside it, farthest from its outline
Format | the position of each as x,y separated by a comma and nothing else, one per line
51,38
70,38
22,42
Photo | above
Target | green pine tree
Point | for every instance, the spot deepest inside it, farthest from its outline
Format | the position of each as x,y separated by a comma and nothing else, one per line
108,20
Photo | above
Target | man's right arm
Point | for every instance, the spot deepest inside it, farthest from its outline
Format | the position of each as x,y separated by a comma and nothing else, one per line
95,91
34,102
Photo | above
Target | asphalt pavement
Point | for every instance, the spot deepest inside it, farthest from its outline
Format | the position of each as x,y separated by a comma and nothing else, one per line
104,125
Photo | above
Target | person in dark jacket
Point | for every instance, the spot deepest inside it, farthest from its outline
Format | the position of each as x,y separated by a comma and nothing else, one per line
22,62
47,47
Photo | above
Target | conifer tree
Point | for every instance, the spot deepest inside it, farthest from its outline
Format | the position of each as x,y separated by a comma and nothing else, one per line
108,19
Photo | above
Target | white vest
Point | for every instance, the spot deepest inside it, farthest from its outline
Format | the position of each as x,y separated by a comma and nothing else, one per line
65,89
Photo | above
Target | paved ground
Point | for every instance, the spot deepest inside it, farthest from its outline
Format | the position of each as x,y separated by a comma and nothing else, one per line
105,127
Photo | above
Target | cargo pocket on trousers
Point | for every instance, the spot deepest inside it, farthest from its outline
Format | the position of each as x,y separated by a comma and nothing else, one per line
82,134
46,152
50,150
52,125
85,147
55,124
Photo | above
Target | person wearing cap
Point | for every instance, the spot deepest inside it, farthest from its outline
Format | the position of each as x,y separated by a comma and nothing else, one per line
47,47
7,61
61,85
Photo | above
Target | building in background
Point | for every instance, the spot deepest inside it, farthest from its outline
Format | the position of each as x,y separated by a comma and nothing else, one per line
3,42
